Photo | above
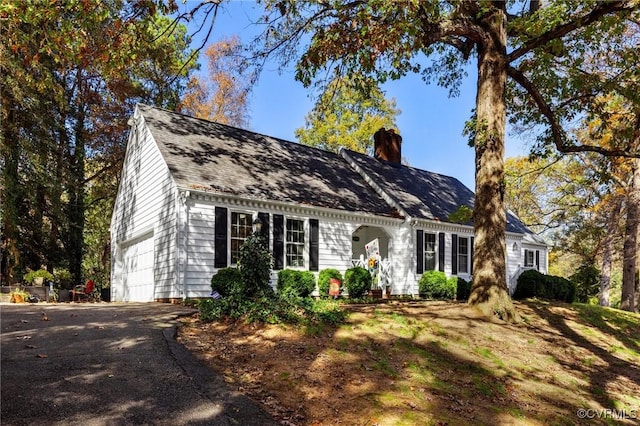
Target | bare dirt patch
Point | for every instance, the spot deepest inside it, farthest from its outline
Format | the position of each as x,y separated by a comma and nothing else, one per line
435,363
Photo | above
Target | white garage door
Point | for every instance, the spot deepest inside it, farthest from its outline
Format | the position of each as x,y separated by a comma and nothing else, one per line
137,271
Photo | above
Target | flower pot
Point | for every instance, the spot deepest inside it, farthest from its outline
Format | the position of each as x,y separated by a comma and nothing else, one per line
63,295
38,281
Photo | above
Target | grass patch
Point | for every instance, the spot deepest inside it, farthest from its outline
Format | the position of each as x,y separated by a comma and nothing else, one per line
435,363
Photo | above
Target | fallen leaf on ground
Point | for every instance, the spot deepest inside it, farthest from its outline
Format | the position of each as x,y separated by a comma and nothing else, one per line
42,356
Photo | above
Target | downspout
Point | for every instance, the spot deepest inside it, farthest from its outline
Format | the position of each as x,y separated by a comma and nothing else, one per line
183,218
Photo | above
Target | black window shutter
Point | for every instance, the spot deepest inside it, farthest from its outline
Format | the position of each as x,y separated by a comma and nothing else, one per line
471,248
538,260
314,244
220,260
441,251
264,218
419,251
278,240
454,254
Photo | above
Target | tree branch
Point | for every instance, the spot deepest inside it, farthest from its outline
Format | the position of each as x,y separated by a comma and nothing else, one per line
600,10
557,133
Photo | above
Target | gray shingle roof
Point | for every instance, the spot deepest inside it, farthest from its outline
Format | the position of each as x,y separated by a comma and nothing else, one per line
423,194
209,156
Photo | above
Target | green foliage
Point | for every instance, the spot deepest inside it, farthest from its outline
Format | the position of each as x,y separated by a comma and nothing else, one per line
347,114
324,279
63,279
532,283
587,282
70,75
255,263
326,312
435,285
463,214
227,281
30,276
281,308
463,289
300,283
357,281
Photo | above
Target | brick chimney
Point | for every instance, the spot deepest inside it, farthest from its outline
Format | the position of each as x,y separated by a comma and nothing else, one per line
387,145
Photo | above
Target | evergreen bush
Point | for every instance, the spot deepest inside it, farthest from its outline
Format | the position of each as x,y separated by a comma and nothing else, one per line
324,279
463,289
227,281
300,283
255,263
532,283
435,285
586,281
357,281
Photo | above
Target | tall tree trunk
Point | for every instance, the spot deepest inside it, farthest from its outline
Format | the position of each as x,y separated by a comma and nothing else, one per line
11,197
607,252
489,291
630,251
76,206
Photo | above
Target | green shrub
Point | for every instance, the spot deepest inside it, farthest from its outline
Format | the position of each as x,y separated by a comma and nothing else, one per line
300,283
357,281
227,281
63,279
532,283
586,281
327,312
324,279
463,289
255,263
561,288
435,285
281,308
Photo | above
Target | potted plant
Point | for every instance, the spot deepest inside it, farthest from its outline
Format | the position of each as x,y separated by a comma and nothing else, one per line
19,296
37,278
64,284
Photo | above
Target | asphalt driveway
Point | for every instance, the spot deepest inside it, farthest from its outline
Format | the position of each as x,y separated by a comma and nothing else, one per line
109,364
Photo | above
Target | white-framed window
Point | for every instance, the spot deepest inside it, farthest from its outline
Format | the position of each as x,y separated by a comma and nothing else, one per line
430,252
463,255
294,243
241,229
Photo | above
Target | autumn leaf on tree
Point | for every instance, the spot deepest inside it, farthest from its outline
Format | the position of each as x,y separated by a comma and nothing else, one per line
221,94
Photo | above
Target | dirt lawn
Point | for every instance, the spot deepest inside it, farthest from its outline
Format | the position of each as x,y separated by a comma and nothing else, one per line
439,363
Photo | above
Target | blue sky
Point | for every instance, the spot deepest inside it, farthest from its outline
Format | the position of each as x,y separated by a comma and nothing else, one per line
430,123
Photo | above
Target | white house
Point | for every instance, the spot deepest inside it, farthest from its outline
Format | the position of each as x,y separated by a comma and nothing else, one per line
190,190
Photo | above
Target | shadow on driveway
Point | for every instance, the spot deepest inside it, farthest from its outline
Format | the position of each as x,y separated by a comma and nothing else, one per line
109,364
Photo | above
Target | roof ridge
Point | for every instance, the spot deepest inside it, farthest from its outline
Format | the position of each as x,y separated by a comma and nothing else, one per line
240,129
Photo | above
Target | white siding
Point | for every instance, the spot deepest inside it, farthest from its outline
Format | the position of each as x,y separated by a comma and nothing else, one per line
146,200
200,251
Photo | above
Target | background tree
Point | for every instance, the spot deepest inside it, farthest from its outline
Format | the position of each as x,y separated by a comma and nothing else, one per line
70,74
222,94
389,39
346,116
575,205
